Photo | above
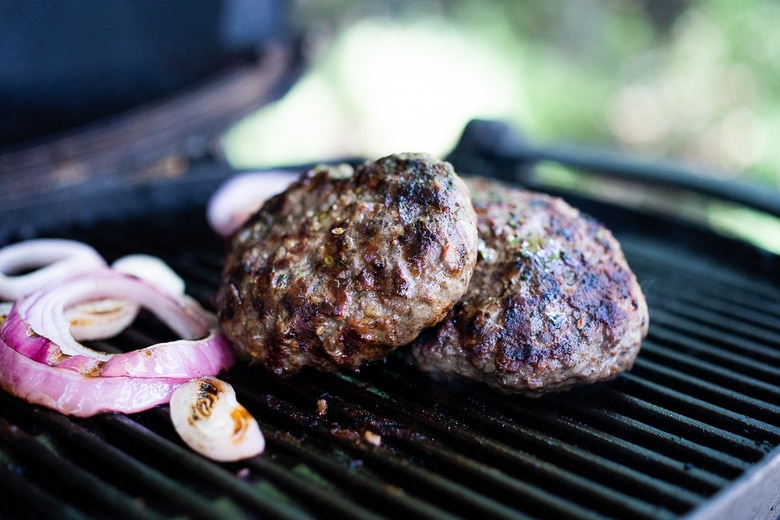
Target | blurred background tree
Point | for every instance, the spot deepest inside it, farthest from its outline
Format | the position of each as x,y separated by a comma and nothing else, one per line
692,80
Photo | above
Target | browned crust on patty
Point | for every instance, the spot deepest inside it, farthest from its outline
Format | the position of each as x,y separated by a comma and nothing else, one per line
552,303
343,267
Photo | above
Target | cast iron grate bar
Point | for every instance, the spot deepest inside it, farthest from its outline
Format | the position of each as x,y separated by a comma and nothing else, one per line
747,377
221,480
644,402
689,456
758,327
733,411
564,457
111,464
689,303
699,409
30,500
409,426
707,424
212,476
333,502
69,478
702,290
322,499
444,493
662,263
752,357
351,478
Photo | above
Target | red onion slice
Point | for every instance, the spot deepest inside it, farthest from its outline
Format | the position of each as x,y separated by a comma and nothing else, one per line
71,393
49,260
99,319
39,329
153,270
243,194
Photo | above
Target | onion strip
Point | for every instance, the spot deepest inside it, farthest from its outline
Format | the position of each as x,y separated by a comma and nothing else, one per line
151,269
72,297
49,260
98,319
243,194
71,393
39,329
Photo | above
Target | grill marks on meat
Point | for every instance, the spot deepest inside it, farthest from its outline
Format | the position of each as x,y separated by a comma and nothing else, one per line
552,303
345,266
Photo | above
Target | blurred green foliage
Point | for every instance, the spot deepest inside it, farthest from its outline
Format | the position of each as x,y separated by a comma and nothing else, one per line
685,80
694,80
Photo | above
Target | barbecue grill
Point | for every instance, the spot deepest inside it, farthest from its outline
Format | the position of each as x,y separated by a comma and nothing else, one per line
693,431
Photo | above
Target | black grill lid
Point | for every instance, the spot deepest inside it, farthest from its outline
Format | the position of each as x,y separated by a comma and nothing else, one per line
119,93
69,64
692,431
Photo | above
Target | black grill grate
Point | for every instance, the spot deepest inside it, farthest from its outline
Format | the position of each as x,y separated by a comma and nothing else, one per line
698,411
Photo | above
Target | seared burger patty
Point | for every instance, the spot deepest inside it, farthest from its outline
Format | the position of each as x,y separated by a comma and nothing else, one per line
552,302
345,266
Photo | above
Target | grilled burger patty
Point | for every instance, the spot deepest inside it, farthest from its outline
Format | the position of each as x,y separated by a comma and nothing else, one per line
345,266
552,302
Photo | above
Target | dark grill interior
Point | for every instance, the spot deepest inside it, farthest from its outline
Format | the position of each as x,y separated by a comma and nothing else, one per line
698,411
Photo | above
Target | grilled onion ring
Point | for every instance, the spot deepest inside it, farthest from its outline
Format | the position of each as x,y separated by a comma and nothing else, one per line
243,194
38,328
48,261
71,393
42,362
97,319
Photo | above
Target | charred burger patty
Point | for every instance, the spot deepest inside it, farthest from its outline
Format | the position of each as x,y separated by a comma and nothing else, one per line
552,302
346,265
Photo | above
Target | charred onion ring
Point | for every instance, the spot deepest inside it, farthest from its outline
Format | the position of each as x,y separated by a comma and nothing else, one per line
209,419
43,363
